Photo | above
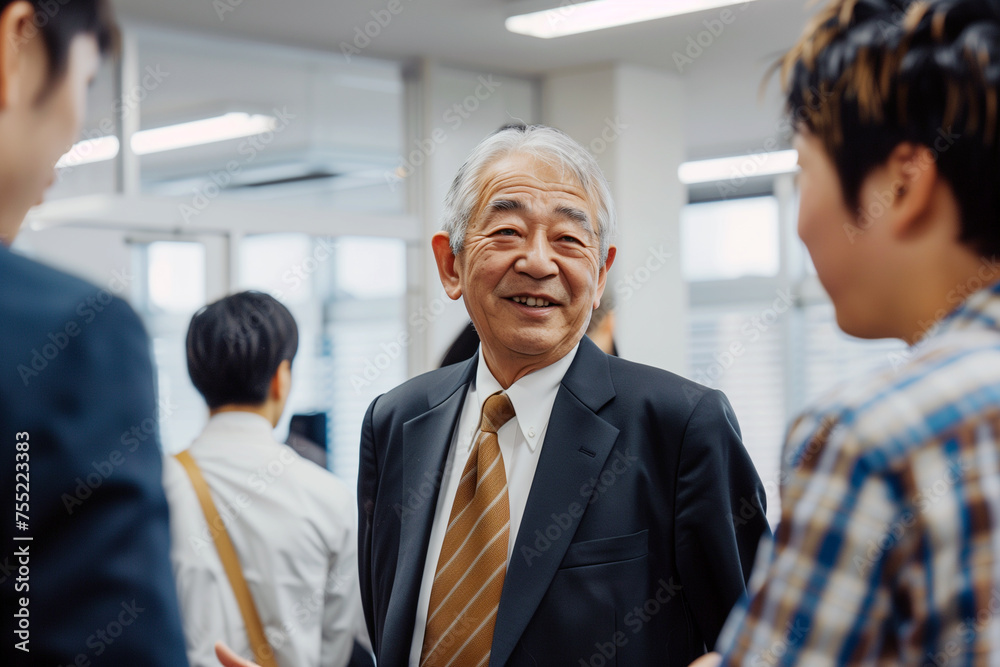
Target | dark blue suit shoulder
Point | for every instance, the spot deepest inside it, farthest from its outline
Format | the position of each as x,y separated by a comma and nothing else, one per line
419,394
47,298
639,383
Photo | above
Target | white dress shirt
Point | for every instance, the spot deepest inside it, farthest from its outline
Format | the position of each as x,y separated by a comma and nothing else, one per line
294,527
520,444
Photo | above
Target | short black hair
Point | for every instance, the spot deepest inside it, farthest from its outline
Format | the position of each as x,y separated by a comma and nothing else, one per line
235,345
868,75
59,21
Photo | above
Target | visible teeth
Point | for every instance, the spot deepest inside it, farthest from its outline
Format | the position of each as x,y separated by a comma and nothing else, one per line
532,301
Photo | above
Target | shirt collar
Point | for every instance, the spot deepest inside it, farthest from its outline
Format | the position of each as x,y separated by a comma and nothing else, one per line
246,422
532,396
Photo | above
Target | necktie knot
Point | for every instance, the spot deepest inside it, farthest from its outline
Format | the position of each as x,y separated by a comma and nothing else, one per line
497,411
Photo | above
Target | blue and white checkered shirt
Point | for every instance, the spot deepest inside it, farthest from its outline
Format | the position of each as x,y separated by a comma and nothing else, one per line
888,549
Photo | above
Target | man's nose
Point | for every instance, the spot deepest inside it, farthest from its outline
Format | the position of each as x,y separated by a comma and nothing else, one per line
538,260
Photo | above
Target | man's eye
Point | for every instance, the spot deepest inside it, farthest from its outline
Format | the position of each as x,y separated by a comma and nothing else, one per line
506,232
570,239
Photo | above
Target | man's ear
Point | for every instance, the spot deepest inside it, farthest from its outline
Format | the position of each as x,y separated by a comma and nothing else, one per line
281,383
912,176
18,34
602,276
446,260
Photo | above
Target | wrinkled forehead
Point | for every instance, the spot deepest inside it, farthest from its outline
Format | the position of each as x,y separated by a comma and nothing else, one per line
535,179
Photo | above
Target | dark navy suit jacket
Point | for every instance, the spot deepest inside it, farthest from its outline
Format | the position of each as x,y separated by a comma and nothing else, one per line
639,532
76,378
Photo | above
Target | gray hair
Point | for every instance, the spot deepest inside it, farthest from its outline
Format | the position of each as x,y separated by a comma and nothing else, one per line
543,142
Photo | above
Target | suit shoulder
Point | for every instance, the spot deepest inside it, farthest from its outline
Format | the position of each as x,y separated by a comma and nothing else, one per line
635,381
418,394
39,295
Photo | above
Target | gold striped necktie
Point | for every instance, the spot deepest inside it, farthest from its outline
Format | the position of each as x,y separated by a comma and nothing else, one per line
473,562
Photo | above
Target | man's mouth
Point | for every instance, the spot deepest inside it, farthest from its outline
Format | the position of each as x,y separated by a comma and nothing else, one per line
532,301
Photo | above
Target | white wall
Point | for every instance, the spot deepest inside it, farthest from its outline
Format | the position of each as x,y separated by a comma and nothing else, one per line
455,109
631,118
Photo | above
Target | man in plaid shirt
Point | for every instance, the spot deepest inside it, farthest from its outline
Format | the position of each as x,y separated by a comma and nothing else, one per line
888,549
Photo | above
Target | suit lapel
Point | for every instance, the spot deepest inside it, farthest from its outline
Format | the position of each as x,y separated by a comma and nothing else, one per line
577,444
426,440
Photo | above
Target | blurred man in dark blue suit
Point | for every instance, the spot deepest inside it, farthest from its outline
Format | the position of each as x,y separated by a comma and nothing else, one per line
84,550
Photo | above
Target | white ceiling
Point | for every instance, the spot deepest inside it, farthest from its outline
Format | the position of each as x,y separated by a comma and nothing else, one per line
725,113
472,33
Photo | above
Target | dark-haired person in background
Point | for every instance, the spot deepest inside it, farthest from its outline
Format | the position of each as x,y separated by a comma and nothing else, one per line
888,550
292,523
89,583
601,329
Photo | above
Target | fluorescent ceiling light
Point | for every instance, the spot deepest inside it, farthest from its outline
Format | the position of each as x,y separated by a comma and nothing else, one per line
571,19
738,167
183,135
89,150
195,133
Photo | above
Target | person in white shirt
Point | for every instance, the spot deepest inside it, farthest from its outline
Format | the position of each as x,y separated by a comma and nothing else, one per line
292,523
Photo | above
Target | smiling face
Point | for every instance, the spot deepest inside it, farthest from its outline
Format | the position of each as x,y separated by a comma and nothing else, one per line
530,270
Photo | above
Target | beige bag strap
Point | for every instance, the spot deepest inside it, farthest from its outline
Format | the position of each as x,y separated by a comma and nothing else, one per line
263,653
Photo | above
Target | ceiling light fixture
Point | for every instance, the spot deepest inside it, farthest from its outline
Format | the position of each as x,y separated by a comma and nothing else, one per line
171,137
572,19
738,167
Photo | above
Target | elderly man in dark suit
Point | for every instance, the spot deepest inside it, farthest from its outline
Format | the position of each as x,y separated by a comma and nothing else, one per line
84,569
544,503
